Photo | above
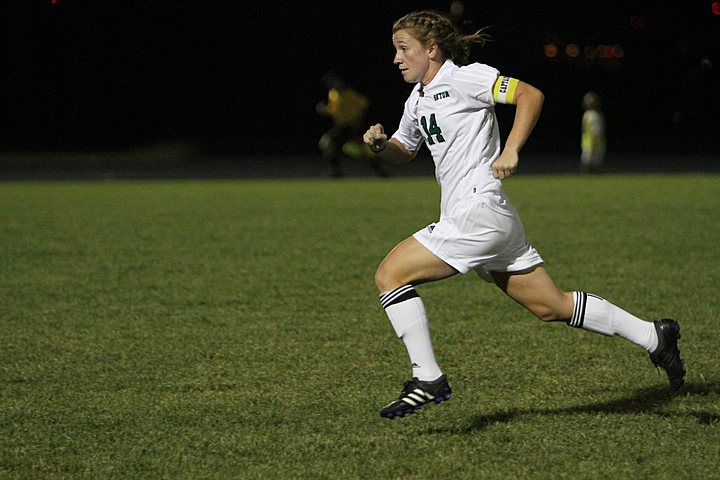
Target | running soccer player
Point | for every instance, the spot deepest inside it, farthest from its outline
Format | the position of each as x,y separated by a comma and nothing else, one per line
451,110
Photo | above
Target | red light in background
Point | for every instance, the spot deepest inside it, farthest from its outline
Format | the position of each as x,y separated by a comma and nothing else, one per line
716,8
550,50
572,50
638,22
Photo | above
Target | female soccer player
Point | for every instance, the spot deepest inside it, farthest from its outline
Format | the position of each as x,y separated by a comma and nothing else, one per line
451,110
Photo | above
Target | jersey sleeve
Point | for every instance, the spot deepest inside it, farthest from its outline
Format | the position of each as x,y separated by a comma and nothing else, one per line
408,132
476,81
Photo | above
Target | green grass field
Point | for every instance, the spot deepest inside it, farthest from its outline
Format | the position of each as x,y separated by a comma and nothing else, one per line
231,329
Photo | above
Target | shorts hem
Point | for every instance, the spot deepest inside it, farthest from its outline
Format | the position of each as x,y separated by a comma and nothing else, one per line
461,268
515,270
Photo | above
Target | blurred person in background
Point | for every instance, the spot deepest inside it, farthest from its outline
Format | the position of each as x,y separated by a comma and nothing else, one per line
348,110
592,141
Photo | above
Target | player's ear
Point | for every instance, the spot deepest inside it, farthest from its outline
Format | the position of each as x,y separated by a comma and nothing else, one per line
434,51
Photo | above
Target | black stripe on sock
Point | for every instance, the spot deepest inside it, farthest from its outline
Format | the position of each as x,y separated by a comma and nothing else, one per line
578,317
400,294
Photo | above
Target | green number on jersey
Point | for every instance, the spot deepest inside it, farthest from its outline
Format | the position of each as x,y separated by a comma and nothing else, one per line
433,129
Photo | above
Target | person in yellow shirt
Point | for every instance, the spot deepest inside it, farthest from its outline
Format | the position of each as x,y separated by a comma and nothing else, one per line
348,109
593,134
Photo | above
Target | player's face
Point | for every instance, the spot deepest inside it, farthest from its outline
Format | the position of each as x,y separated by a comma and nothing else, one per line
411,56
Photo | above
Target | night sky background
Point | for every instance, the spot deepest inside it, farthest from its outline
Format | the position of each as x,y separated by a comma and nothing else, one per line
243,78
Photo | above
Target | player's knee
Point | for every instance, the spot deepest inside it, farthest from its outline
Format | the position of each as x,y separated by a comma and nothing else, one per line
325,144
385,280
381,279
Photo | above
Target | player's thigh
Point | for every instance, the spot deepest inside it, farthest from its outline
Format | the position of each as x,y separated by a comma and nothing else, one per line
410,263
535,290
333,140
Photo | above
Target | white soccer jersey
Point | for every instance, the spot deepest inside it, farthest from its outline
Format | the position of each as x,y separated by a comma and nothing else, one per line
478,228
455,116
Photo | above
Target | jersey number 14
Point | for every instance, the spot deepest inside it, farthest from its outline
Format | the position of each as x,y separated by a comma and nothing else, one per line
431,130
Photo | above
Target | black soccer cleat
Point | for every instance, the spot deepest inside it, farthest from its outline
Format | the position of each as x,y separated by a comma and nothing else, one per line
415,394
667,354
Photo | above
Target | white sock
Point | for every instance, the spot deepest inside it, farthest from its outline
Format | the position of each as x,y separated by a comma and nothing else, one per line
406,312
598,315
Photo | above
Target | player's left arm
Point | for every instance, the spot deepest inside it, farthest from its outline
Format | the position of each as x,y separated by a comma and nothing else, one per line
528,101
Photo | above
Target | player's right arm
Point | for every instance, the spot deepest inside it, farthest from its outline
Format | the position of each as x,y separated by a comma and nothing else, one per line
390,150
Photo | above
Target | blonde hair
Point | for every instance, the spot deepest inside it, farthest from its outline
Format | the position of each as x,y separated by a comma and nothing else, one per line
434,27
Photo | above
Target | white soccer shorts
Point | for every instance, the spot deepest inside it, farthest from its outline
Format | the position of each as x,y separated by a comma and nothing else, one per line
483,233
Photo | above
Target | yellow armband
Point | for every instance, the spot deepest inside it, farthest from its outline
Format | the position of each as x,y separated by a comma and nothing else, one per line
504,89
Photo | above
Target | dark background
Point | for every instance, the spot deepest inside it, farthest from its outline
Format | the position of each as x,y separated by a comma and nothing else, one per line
241,79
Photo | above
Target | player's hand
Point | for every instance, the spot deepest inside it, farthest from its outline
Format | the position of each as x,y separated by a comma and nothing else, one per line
375,138
505,165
